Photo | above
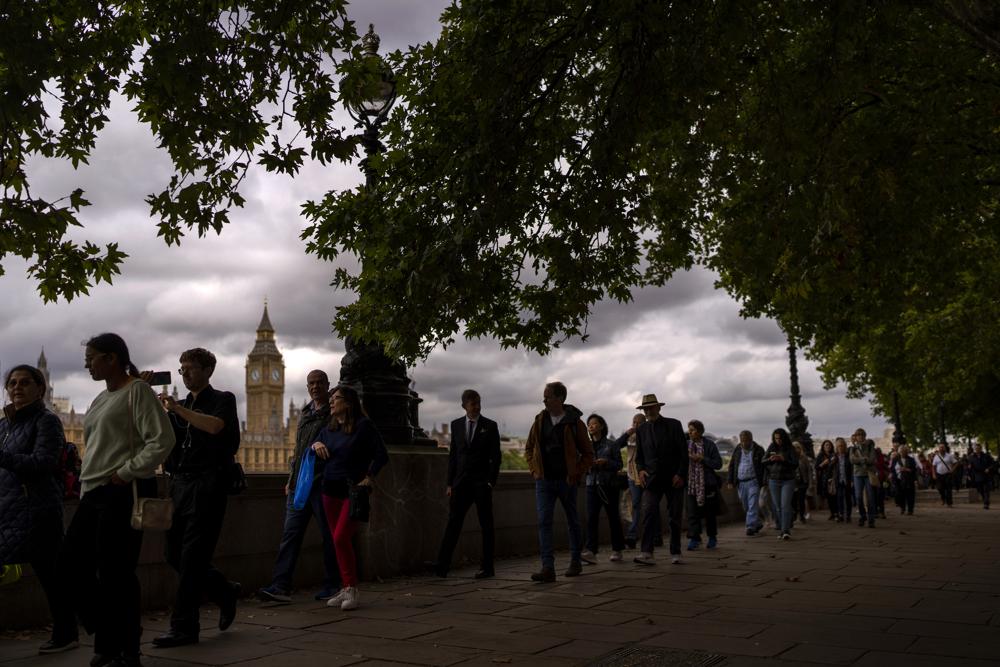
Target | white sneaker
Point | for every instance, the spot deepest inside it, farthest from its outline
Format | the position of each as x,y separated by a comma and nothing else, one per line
675,560
588,557
337,599
351,599
616,556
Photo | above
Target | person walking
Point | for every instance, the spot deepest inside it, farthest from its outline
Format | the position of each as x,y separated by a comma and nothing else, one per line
826,484
603,492
782,464
473,470
906,469
803,479
746,474
880,481
31,495
943,465
862,455
315,414
662,461
354,454
128,437
703,486
843,475
559,454
627,440
982,466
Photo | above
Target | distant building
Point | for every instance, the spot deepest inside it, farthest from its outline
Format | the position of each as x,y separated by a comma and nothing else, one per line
267,441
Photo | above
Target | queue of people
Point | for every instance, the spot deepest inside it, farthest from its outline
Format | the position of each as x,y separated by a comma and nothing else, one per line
131,432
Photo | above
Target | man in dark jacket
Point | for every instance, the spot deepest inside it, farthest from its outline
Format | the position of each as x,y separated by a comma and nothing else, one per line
473,468
559,454
746,474
661,458
207,432
314,417
982,465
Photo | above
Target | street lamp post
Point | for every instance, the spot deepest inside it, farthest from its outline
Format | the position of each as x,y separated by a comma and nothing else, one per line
897,435
796,419
382,382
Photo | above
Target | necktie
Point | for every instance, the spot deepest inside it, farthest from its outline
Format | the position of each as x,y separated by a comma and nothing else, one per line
472,429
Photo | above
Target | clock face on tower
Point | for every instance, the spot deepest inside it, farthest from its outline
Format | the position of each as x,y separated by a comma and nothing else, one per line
275,374
255,374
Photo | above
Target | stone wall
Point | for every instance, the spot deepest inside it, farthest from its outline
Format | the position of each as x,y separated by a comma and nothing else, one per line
409,511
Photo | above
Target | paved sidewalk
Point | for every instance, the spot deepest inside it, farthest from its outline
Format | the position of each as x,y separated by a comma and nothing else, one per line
915,591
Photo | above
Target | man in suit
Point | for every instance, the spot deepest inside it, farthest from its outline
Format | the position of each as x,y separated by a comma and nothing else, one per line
661,458
473,468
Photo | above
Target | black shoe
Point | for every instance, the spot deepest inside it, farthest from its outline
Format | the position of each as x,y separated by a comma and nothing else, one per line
546,575
861,523
575,569
52,646
102,659
485,574
435,569
171,639
126,661
227,609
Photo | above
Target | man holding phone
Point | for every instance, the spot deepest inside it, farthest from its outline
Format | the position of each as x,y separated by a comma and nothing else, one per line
207,430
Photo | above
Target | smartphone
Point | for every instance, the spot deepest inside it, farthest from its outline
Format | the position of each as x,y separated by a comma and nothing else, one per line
160,378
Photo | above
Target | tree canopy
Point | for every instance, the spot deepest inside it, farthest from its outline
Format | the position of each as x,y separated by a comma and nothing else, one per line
834,163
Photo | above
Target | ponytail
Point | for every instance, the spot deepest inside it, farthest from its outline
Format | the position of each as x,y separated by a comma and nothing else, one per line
112,343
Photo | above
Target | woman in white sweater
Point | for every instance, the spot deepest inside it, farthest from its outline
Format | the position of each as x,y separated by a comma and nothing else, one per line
127,436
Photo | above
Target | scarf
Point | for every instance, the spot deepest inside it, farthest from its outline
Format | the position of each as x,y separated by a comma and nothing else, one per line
696,481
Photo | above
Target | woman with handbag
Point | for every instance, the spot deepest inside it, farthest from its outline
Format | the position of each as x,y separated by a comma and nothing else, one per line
354,454
702,486
826,485
31,494
127,436
603,491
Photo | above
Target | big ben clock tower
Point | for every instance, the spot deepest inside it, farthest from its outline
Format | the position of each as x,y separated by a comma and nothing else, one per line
265,382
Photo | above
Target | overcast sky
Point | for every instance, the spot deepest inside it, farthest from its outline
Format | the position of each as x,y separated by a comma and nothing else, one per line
685,342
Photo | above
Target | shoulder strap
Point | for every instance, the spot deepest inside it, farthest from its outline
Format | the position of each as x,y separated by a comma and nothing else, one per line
131,444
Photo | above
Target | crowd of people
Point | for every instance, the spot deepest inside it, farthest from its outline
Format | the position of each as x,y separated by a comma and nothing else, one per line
88,571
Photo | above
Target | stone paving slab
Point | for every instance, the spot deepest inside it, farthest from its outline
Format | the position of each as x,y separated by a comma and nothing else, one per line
915,591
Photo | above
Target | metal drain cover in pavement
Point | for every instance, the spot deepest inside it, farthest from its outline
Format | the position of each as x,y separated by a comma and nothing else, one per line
648,657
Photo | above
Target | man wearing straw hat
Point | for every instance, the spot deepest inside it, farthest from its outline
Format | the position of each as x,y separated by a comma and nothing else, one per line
662,461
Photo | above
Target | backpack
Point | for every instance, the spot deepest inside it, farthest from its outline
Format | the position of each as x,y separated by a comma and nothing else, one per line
68,471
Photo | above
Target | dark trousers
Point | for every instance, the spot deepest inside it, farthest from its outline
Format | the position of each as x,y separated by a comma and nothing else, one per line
651,497
44,544
296,523
907,494
604,496
706,514
984,491
879,492
944,483
845,501
97,567
799,502
463,497
199,508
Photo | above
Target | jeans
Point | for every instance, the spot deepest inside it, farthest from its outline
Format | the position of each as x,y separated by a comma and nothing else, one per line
781,502
547,492
908,496
604,496
879,492
296,523
97,567
633,530
749,496
199,509
651,497
864,497
463,497
984,491
845,501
